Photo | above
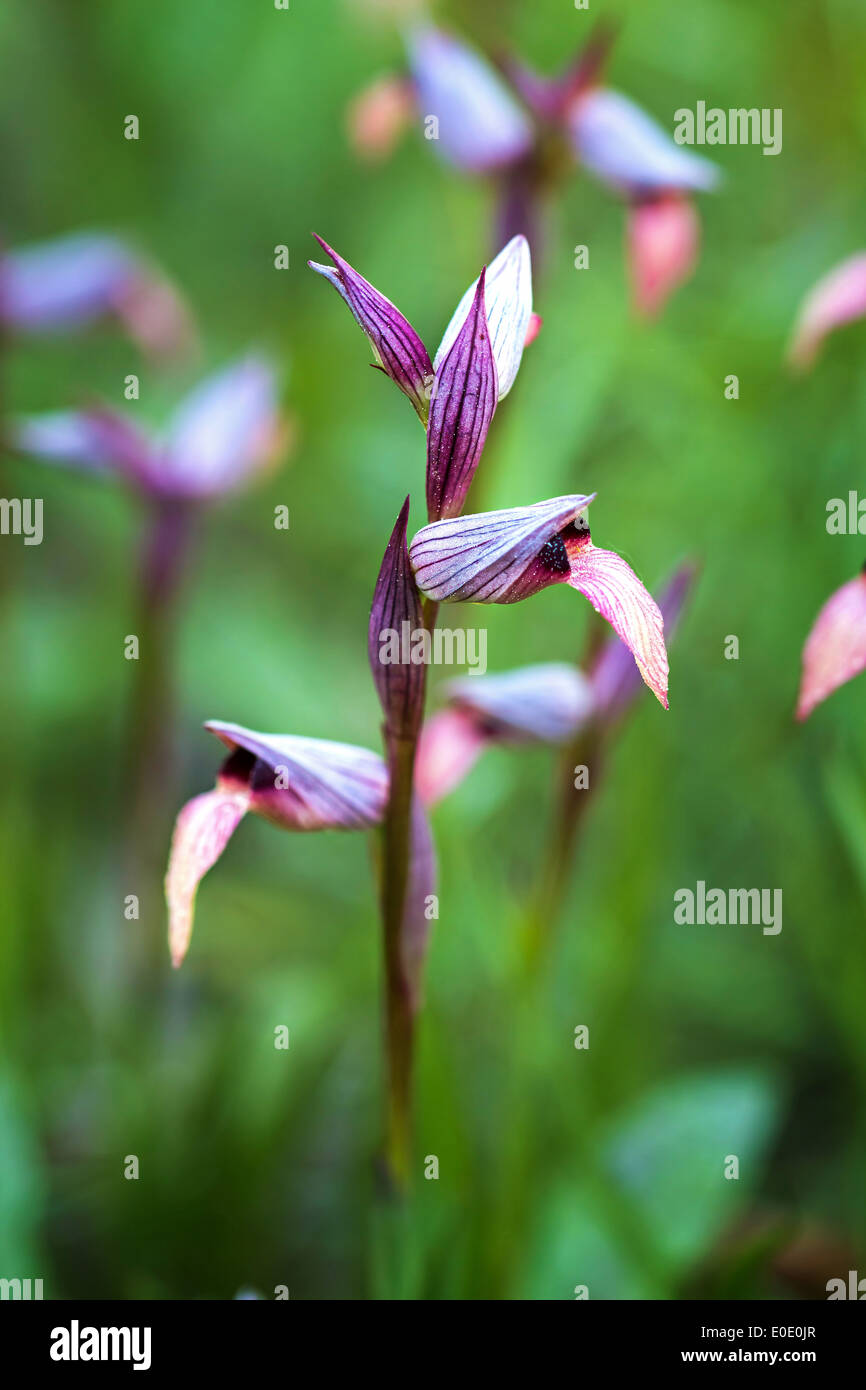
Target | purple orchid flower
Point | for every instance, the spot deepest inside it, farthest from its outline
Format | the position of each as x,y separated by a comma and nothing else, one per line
474,368
512,127
71,282
295,783
224,431
835,650
481,126
505,556
546,703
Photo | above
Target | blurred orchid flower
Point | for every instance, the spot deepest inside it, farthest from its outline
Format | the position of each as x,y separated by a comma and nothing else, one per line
378,116
547,703
837,299
296,783
505,556
835,649
480,125
523,128
226,429
474,368
68,283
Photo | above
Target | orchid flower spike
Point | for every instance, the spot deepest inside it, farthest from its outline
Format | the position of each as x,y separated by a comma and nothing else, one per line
837,299
547,703
504,556
835,649
296,783
70,282
226,429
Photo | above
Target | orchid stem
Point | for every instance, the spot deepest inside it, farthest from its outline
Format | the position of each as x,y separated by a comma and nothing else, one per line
399,1009
569,808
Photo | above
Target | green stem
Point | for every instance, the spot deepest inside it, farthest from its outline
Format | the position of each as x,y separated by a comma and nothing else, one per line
399,1010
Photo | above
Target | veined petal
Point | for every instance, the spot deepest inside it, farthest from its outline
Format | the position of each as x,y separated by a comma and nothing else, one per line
308,783
835,649
614,677
663,239
224,430
615,592
450,743
838,298
461,408
534,704
481,125
485,557
508,301
201,833
399,352
399,681
626,148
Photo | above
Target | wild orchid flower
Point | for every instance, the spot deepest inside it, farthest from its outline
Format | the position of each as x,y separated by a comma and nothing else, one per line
522,128
475,365
505,556
550,703
835,650
69,283
295,783
225,431
837,299
546,703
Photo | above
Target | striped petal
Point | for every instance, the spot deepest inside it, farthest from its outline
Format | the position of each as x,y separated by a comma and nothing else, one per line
308,783
615,592
494,557
614,678
835,649
626,148
399,352
203,829
508,301
481,126
396,601
534,704
837,299
461,408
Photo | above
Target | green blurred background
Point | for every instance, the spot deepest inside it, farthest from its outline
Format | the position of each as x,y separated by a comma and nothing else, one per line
557,1167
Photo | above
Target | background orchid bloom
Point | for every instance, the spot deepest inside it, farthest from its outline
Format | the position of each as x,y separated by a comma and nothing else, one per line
509,127
504,556
837,299
69,283
224,431
296,783
546,703
835,649
480,127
